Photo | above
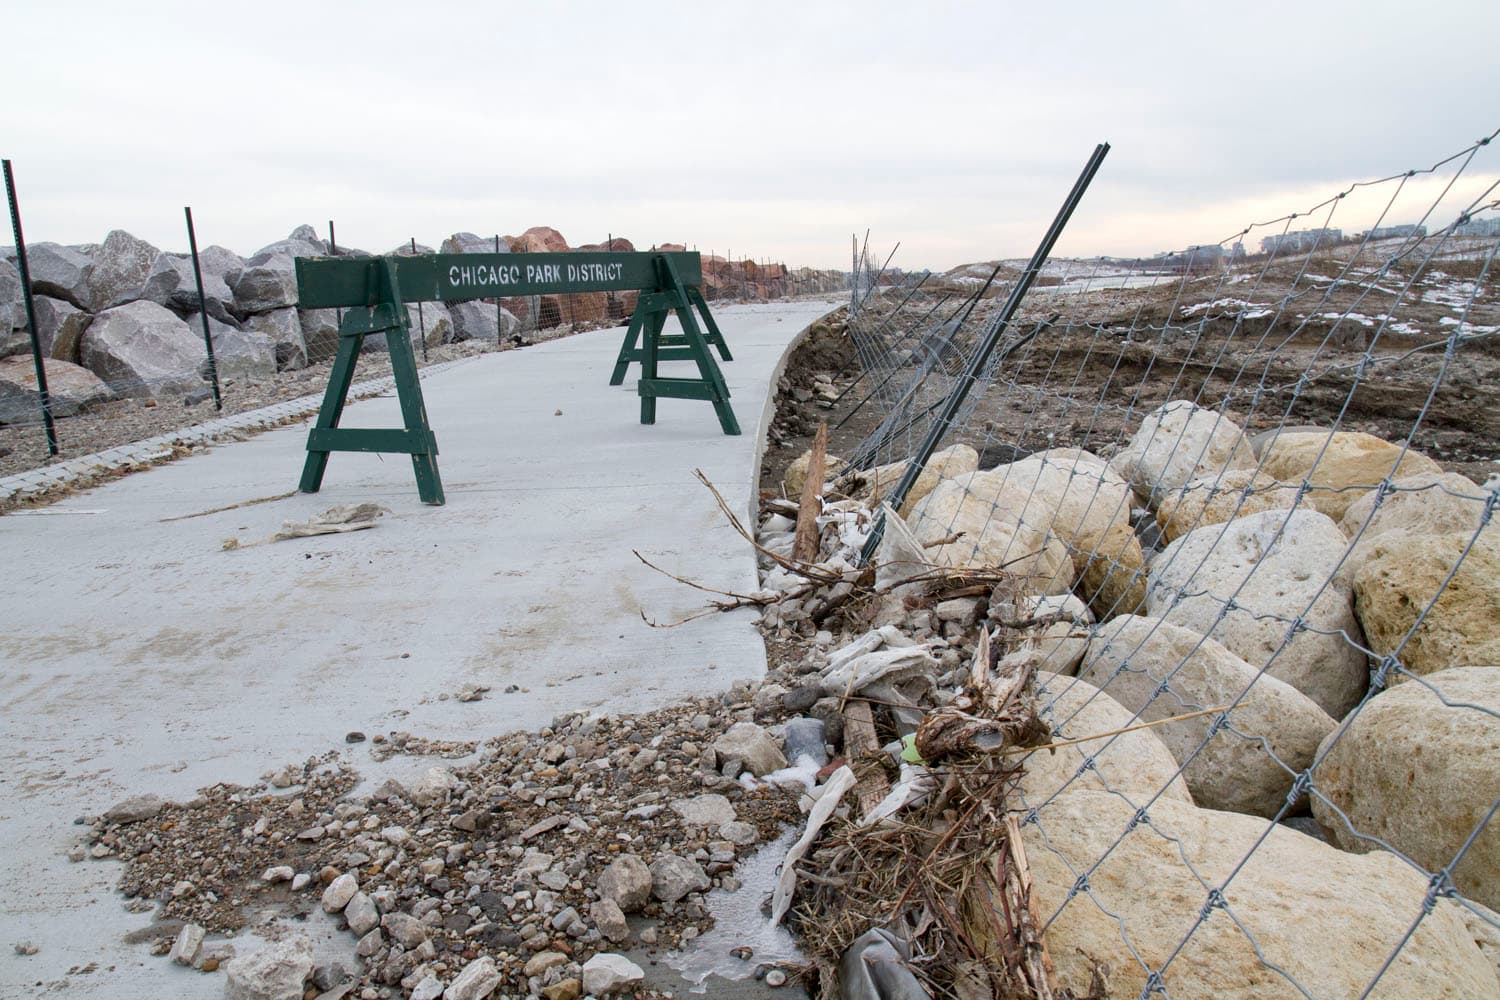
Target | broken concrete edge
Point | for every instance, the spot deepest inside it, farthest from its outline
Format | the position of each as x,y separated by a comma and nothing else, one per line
768,413
36,486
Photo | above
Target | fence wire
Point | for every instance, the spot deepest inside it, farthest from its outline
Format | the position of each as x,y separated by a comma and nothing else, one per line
1268,467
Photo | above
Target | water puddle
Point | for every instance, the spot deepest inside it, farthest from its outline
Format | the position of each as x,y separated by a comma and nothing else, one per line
739,922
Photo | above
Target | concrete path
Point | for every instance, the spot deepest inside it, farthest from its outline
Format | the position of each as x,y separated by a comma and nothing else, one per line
139,655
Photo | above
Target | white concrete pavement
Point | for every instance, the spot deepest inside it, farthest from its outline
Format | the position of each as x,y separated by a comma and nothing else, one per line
138,655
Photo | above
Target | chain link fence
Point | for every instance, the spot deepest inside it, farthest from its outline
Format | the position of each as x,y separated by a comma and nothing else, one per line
1253,484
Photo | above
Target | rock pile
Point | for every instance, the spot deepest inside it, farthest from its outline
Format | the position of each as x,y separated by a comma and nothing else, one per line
1231,601
520,874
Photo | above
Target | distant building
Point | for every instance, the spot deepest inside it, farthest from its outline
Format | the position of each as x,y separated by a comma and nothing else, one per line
1301,241
1396,232
1479,227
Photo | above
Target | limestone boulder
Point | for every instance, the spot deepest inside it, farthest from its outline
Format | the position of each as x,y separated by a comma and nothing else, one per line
59,326
752,745
1237,493
1158,670
1419,769
875,484
1431,503
117,272
60,272
1402,575
975,511
70,388
284,329
143,350
796,473
1072,493
1176,443
267,281
275,972
1340,466
1111,572
1247,582
237,353
1328,919
1135,764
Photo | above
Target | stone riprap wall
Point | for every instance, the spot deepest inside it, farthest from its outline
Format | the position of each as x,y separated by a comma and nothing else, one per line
120,319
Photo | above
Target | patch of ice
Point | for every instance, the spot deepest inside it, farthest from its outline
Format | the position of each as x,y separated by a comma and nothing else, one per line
738,923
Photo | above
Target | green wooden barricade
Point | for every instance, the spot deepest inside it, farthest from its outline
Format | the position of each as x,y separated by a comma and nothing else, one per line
373,292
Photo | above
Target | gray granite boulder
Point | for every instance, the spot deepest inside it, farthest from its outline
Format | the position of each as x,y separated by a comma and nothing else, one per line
320,332
59,326
237,353
472,243
59,271
70,389
285,331
12,304
141,349
171,283
474,320
118,272
267,281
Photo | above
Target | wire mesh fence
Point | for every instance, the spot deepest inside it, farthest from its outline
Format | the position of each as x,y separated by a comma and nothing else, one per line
121,327
1257,477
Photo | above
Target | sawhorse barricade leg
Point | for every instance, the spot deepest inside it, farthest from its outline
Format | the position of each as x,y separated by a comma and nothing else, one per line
387,316
691,345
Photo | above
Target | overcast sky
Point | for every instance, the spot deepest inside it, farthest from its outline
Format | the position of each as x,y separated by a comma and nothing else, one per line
769,129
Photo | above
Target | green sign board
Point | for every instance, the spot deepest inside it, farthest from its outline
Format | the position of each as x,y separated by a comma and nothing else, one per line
328,282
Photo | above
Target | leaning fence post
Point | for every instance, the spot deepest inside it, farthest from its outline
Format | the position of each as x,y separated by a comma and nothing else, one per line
985,348
208,340
36,341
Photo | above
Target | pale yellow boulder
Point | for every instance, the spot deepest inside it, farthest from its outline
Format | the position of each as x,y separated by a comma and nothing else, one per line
1136,764
1237,493
969,523
1401,576
874,484
1341,466
796,473
1430,503
1072,493
1421,772
1111,572
1247,583
1160,671
1176,443
1327,919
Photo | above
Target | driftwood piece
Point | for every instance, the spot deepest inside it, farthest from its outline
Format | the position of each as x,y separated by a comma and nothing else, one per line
805,546
1015,881
862,750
